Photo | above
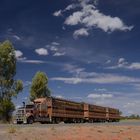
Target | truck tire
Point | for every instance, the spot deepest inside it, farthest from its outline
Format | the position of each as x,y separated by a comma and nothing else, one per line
30,120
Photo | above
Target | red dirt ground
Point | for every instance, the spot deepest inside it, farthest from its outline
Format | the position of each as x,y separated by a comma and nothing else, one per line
74,132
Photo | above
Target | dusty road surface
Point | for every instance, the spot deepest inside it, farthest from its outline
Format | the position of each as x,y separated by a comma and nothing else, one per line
120,131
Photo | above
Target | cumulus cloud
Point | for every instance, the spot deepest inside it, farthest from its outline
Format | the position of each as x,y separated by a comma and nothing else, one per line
58,13
18,53
21,59
104,22
80,32
90,17
55,49
121,60
74,19
41,51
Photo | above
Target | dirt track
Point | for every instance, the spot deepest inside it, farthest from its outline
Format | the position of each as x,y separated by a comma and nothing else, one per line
70,132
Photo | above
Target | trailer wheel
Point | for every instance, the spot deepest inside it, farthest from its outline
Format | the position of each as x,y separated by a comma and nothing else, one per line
53,120
30,120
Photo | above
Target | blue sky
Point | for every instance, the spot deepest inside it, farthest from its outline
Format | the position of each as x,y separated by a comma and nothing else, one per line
89,49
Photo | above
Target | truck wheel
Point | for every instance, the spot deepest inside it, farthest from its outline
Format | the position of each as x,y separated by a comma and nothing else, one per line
30,120
53,121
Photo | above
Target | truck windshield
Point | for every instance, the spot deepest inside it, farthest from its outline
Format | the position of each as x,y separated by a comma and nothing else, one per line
29,106
20,111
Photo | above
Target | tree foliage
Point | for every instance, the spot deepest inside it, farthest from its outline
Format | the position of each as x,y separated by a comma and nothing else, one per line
6,109
9,87
39,87
133,116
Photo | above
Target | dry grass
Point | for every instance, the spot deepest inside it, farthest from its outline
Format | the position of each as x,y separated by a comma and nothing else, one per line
99,131
12,130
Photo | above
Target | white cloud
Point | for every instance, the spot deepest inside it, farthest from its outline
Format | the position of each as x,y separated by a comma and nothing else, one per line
80,32
53,48
90,17
59,54
134,66
95,96
101,89
98,78
27,83
20,58
71,6
17,37
33,61
104,22
124,103
74,19
11,34
121,60
108,61
59,96
10,30
25,98
130,104
132,107
63,28
79,75
18,54
122,63
72,80
58,13
55,43
41,51
18,106
74,69
96,2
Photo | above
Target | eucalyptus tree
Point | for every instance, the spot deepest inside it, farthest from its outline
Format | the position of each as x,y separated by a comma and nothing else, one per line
39,87
9,87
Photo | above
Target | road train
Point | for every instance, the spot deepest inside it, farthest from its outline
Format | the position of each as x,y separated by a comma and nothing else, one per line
55,110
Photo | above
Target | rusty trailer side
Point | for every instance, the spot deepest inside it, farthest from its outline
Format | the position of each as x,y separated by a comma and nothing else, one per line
57,110
113,114
64,110
94,113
